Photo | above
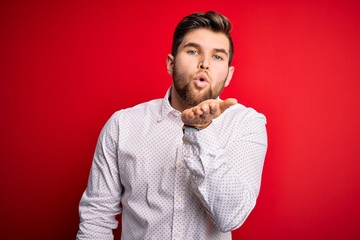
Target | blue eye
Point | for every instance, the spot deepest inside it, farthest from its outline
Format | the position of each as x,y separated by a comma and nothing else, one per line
192,52
217,57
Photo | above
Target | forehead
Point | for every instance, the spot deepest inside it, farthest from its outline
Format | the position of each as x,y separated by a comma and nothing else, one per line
207,39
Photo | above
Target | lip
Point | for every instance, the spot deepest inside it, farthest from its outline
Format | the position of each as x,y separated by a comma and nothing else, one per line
202,77
201,81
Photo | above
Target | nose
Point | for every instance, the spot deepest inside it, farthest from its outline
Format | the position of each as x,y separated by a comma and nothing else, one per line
204,64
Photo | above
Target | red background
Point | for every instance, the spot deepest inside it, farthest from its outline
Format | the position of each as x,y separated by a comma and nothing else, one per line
66,66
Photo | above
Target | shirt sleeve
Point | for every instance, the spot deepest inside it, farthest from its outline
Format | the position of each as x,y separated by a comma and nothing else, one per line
100,202
226,176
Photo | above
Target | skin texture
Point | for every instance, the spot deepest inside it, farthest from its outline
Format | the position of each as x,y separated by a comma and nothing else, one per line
201,115
200,72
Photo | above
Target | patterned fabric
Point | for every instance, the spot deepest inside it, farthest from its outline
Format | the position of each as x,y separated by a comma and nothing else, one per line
170,183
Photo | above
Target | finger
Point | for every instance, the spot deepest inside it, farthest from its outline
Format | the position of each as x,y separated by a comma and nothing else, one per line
198,111
227,103
230,101
188,115
213,107
205,110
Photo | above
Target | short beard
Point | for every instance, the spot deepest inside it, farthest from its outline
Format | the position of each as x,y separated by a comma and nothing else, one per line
189,97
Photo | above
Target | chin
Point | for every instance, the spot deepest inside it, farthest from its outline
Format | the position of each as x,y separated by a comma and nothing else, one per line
194,99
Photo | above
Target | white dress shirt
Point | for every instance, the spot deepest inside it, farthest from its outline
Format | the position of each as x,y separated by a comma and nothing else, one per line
173,184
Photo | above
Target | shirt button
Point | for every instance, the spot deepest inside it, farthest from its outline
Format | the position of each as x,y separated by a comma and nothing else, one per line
176,234
177,199
180,164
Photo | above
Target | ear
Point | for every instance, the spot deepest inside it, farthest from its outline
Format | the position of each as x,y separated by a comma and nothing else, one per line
170,63
229,76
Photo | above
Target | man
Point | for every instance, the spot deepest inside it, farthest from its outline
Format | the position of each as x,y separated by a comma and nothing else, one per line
184,167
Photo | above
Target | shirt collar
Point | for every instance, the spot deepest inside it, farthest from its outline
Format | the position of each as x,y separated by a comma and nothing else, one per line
166,107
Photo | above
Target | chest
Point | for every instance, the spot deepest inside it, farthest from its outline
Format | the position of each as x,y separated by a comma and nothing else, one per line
148,156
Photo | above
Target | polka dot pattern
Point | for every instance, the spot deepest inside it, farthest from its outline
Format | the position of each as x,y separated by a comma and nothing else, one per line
173,184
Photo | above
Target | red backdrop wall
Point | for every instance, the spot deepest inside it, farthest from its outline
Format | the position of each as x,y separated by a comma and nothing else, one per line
66,66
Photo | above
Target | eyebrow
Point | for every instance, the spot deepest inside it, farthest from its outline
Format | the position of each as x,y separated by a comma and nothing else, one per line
195,45
221,50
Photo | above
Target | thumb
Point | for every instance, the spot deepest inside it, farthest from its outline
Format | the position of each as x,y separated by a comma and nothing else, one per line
227,103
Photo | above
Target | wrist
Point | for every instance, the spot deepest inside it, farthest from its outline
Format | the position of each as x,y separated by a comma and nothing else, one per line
197,127
189,128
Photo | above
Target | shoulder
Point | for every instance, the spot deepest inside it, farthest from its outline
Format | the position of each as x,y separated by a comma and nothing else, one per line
133,118
245,124
142,109
240,120
244,114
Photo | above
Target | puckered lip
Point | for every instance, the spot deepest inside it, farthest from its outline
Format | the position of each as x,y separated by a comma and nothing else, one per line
202,77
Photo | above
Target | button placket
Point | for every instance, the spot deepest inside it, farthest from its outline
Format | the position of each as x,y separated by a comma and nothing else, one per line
179,193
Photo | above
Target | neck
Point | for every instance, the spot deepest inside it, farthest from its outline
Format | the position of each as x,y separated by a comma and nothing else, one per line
176,101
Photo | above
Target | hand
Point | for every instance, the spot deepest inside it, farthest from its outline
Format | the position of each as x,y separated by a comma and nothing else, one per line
202,115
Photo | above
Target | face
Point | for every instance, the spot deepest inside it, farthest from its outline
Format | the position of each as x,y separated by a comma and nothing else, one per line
200,70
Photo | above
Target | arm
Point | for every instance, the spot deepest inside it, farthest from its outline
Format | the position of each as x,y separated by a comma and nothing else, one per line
100,202
226,177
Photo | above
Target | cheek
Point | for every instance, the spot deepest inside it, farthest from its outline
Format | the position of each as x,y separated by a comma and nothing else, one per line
220,73
184,66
